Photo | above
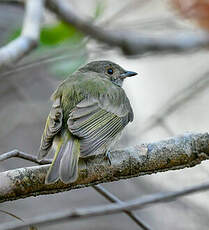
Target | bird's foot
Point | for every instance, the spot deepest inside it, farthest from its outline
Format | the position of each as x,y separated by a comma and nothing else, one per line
108,156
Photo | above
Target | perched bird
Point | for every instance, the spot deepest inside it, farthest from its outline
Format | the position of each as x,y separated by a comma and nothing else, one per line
89,111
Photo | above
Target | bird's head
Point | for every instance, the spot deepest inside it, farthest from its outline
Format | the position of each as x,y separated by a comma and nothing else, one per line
109,70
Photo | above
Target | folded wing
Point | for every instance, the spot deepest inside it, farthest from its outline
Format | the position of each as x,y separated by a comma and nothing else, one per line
97,124
52,127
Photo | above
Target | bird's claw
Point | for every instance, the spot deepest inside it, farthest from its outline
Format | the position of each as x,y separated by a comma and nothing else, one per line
108,156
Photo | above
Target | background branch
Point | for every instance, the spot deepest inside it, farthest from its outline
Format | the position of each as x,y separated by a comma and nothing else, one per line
130,43
109,196
82,213
29,37
175,153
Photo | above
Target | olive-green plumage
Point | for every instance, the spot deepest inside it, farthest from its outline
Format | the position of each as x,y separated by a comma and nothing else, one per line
90,109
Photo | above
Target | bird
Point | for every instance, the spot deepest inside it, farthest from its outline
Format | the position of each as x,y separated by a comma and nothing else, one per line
89,111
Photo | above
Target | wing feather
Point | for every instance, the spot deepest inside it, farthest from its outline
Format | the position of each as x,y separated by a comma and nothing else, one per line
52,127
95,125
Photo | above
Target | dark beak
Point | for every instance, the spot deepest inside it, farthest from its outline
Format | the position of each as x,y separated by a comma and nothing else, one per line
127,74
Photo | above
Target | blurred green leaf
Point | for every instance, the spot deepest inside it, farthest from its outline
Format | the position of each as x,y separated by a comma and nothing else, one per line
60,37
55,34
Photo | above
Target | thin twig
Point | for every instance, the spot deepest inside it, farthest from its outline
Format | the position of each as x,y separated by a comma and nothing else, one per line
109,196
23,155
29,37
81,213
61,54
47,60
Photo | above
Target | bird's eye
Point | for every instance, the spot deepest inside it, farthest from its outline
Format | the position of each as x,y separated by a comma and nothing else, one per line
110,71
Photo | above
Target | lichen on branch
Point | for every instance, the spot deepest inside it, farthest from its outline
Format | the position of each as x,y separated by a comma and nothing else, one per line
175,153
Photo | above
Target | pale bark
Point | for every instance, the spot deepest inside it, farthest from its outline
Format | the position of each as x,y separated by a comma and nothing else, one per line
175,153
29,38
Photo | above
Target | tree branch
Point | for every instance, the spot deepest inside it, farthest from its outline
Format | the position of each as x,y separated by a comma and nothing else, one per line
81,213
130,43
25,156
29,38
175,153
109,196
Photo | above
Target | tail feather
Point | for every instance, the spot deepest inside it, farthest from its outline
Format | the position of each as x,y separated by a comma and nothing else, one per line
69,162
65,163
53,172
